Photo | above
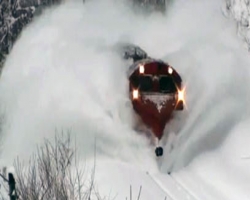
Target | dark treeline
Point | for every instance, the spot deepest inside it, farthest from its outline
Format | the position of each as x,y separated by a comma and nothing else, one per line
14,15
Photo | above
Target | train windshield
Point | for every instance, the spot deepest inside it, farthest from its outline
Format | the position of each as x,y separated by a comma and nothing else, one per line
167,85
163,84
145,83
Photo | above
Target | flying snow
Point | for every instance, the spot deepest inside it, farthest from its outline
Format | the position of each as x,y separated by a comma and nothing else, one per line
63,75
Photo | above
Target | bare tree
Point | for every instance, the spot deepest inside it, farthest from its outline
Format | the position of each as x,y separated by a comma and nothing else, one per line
53,173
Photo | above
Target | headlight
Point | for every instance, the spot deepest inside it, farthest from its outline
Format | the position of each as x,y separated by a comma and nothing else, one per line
141,69
170,70
135,94
181,95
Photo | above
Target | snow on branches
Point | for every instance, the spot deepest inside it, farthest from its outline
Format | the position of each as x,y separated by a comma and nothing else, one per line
240,11
14,15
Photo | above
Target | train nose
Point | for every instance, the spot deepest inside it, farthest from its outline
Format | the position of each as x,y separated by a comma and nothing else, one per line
155,109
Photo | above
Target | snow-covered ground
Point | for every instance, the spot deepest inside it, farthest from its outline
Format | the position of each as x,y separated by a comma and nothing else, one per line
62,75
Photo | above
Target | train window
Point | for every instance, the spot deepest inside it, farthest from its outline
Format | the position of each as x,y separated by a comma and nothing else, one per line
135,81
145,83
166,84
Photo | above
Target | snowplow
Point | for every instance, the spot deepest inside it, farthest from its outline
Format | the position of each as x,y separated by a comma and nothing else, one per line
155,90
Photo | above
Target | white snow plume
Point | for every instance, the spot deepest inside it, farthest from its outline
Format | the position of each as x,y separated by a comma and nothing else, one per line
215,69
210,157
62,75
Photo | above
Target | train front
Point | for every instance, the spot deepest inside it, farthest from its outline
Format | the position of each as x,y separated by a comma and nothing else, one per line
155,92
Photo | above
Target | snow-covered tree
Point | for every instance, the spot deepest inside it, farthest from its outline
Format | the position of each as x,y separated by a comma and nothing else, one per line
14,15
240,11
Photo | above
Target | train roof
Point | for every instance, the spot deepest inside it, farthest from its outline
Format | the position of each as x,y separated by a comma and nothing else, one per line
137,64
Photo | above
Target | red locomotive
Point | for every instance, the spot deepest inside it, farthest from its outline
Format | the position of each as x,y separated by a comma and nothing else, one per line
155,90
